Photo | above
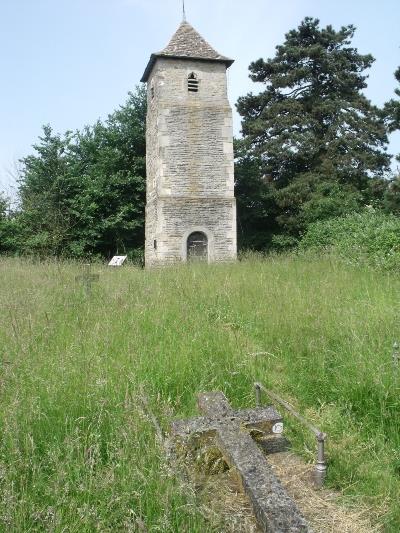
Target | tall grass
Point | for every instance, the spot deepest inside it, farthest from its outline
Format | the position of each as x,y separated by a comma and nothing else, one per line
77,451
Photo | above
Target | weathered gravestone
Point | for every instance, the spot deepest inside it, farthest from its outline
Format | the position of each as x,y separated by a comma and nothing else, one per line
87,278
275,511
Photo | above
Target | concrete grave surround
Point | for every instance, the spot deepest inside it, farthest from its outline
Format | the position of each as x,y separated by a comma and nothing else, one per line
190,178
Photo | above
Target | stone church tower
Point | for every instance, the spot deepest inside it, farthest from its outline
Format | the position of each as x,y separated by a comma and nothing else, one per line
190,205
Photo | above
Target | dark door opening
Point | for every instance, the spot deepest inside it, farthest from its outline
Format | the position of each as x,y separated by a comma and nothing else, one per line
197,247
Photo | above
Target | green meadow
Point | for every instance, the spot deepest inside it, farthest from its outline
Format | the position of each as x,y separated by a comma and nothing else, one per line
79,452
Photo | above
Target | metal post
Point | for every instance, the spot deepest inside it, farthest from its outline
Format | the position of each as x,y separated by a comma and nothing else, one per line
257,390
320,465
183,11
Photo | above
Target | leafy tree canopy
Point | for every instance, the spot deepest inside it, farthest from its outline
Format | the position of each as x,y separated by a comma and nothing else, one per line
83,193
311,133
392,197
9,227
3,206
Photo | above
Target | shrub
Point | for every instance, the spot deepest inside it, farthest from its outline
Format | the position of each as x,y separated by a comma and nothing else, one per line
370,237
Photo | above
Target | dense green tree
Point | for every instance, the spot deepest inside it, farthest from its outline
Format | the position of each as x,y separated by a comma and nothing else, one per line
311,132
9,227
392,108
3,206
3,222
392,197
45,192
83,193
392,116
110,158
256,210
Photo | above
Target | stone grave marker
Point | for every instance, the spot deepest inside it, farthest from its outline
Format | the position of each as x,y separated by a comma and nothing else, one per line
274,510
87,278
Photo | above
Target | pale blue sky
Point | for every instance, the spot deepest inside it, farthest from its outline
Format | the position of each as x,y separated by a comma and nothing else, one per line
69,62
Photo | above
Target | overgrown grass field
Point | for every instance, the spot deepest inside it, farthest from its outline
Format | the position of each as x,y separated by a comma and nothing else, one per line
77,451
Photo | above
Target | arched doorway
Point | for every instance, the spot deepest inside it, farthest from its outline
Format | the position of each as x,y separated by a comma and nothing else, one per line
197,246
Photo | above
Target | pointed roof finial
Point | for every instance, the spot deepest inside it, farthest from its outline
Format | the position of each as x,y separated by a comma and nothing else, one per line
183,11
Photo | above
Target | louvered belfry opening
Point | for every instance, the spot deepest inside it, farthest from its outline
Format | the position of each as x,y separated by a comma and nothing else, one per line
193,83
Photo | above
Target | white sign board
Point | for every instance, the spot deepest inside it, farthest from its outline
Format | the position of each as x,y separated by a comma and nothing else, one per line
117,260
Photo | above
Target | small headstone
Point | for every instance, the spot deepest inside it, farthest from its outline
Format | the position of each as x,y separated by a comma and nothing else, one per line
87,278
117,260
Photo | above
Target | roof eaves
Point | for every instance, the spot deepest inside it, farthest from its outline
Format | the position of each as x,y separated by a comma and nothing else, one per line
153,58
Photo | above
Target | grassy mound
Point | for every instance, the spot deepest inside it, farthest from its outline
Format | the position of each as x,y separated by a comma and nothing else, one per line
79,453
371,237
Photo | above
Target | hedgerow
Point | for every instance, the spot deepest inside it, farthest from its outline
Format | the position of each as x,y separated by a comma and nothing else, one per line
370,237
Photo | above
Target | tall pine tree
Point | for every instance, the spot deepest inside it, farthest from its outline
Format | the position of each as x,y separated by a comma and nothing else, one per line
312,134
392,109
392,116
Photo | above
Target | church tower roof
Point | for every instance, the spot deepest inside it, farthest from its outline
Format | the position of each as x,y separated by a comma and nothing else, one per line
187,43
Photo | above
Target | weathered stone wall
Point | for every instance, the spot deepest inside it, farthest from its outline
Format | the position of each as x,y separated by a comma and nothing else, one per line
190,182
151,221
177,218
